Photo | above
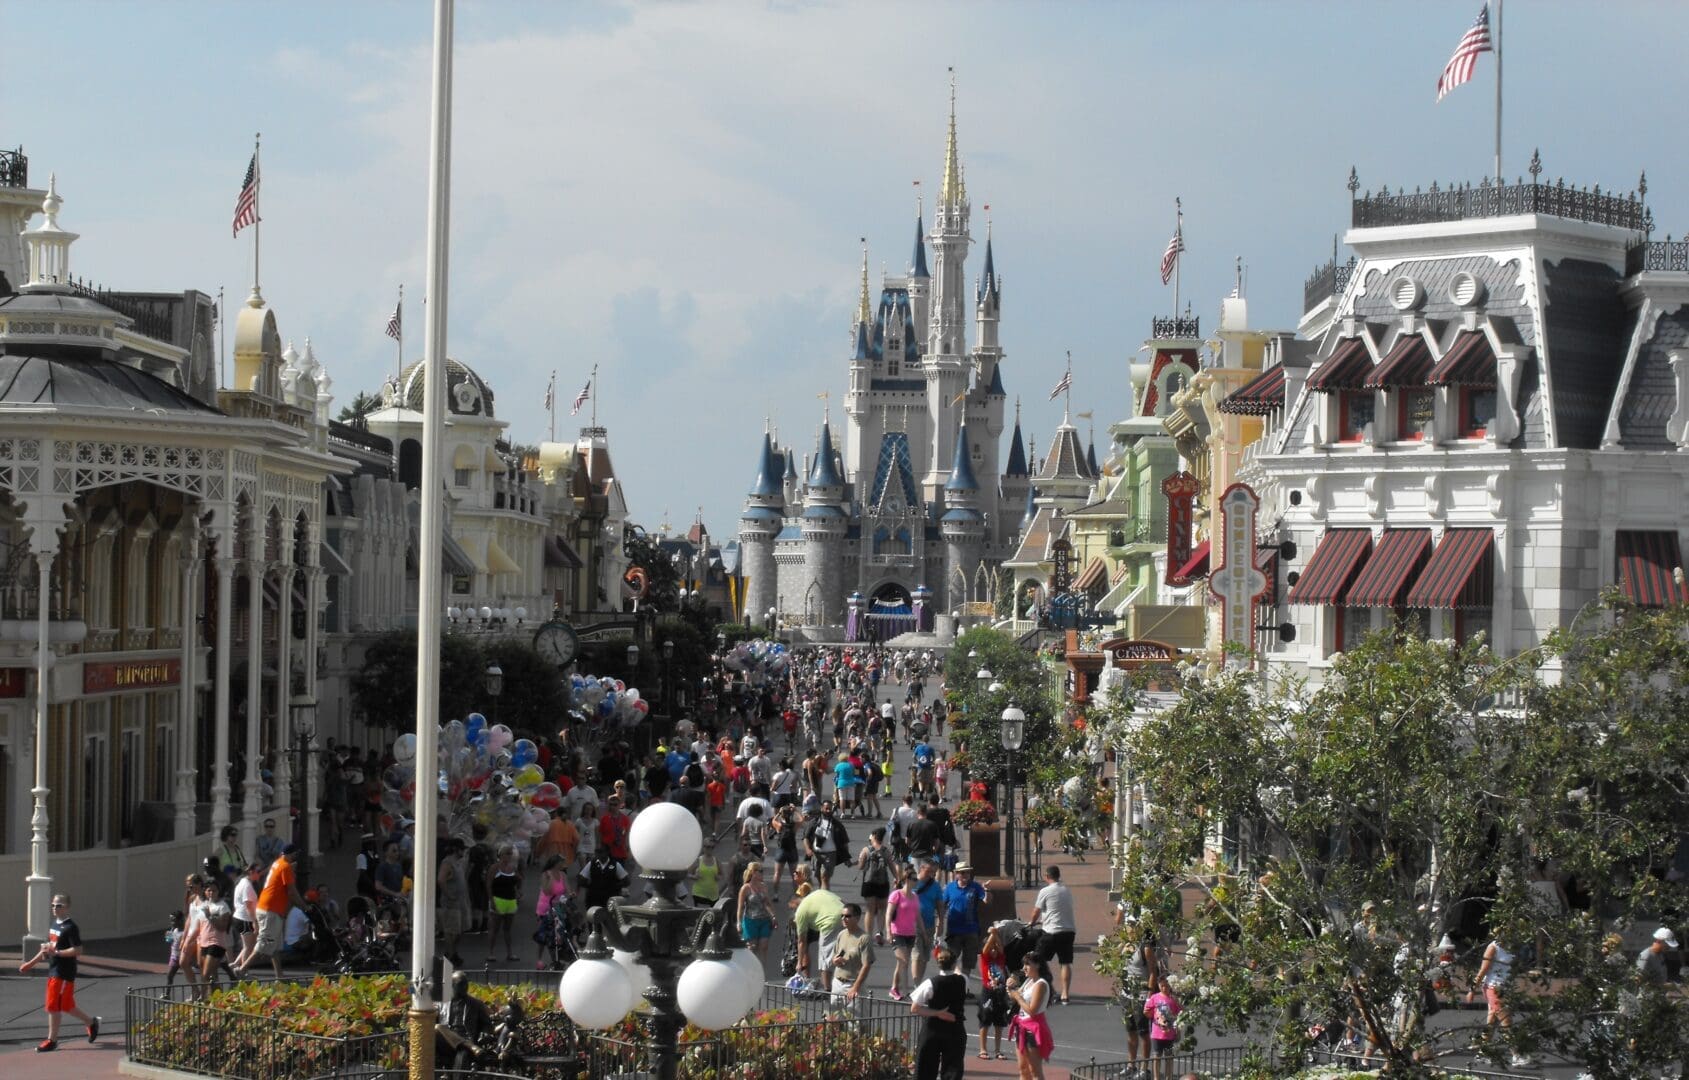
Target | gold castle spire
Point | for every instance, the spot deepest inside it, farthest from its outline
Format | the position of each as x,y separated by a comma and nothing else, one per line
954,191
862,309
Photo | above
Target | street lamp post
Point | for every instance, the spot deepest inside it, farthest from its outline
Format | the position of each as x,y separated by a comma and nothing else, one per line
1013,734
668,677
495,687
303,708
698,972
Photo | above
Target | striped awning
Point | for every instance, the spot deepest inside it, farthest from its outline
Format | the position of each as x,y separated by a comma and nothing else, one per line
1646,560
1095,574
1332,567
1460,575
1257,397
1469,362
498,561
1196,566
1401,554
1406,365
1266,560
559,555
1346,368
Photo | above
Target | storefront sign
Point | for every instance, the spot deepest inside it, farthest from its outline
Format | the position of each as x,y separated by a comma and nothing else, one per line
1061,577
12,681
1127,652
116,678
1237,582
1181,489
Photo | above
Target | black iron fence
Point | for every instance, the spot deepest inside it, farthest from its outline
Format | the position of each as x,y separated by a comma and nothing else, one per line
1464,202
1326,282
14,168
1667,254
1163,327
1226,1061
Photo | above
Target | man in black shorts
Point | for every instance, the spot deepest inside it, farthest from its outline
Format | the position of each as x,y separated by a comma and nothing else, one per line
1052,911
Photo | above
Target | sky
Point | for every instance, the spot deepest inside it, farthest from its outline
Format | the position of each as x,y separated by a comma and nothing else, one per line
675,192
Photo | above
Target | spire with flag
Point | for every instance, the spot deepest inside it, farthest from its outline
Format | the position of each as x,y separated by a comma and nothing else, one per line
246,213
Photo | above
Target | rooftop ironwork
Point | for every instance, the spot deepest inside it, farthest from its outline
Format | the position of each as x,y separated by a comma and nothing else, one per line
1162,327
1491,198
14,168
1325,282
1667,255
146,318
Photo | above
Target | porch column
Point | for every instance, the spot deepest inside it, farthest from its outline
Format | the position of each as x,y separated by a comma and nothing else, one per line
252,805
186,697
44,542
284,686
313,768
225,566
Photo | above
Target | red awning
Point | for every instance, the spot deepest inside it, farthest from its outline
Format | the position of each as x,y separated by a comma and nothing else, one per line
1259,396
1469,362
1646,561
1328,573
1460,575
1406,364
1094,575
1346,368
1194,567
1400,555
1266,560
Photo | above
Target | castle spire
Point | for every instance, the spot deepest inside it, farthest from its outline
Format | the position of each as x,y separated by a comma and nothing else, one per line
954,191
962,469
1017,452
863,312
918,261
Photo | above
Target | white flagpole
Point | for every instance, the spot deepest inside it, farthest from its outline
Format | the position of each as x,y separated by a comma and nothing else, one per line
257,214
1178,248
594,385
551,401
423,1009
1497,47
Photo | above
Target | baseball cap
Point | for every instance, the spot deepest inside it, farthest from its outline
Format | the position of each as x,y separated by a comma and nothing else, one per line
1664,934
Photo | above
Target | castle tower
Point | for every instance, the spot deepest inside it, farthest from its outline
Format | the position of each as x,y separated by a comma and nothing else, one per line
986,404
919,279
824,527
962,526
759,524
1012,487
946,365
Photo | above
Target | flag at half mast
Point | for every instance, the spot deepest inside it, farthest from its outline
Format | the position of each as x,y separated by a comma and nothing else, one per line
1459,68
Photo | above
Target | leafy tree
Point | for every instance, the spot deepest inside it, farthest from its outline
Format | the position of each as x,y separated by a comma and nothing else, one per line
1428,778
532,701
976,712
662,584
385,686
359,407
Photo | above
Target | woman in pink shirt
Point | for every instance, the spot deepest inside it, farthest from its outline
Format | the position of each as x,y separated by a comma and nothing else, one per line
903,916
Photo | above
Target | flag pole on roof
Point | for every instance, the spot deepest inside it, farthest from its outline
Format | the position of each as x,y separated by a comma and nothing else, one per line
246,213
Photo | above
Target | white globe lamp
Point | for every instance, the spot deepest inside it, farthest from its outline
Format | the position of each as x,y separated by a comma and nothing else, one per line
750,969
712,994
639,975
665,837
595,993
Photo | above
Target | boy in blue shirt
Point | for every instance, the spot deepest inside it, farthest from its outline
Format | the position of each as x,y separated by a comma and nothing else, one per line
958,915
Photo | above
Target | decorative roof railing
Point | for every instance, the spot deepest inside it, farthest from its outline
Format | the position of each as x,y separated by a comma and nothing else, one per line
1325,282
1497,198
1175,326
1667,254
14,168
147,319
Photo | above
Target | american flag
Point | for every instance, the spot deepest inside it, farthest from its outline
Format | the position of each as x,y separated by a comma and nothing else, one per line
580,398
1465,58
1064,386
1170,257
395,329
246,207
550,390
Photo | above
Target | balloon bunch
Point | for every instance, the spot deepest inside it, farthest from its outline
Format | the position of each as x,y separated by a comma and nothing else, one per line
609,700
760,657
486,777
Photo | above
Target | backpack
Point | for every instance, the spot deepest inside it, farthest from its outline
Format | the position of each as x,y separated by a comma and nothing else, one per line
874,868
740,784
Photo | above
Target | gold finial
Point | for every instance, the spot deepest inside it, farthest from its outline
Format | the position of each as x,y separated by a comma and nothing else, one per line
954,192
862,309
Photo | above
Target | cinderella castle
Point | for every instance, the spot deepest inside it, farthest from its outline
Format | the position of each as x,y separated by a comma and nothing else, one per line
914,508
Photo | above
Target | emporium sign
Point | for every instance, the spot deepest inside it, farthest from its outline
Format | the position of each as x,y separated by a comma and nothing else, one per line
12,681
127,675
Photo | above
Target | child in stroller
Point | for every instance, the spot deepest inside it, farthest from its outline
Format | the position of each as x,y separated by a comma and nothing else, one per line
358,949
556,934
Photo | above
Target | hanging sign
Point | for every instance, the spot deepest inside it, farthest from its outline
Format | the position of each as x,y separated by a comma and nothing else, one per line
1180,489
1236,583
1061,579
130,675
12,681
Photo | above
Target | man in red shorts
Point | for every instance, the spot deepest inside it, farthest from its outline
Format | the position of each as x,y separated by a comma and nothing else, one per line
64,945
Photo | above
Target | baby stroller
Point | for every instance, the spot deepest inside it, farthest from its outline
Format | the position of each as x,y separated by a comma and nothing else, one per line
320,945
556,934
1018,940
357,948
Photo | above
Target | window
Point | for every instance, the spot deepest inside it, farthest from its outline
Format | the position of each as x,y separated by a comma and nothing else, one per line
1477,411
1415,621
1355,409
1471,622
891,360
96,777
1414,409
460,584
462,477
1349,626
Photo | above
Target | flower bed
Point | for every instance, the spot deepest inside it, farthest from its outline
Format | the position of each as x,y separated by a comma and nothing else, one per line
775,1044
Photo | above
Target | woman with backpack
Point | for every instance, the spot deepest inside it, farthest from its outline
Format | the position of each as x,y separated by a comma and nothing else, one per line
875,862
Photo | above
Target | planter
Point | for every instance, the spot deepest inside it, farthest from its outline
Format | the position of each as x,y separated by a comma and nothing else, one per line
985,850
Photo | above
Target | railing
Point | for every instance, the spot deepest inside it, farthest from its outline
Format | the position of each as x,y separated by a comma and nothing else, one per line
1326,282
1217,1062
353,435
147,320
790,1035
1163,327
1464,202
1667,254
14,168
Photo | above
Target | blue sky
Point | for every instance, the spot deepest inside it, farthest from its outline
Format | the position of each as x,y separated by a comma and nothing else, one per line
675,191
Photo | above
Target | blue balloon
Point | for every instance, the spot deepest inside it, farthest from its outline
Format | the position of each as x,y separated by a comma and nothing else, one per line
479,740
524,753
474,725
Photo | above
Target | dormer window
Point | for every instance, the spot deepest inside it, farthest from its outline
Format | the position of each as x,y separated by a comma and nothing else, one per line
1477,411
1415,407
1469,369
1355,410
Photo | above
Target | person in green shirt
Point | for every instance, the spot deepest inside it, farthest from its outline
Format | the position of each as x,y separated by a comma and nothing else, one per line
819,918
706,880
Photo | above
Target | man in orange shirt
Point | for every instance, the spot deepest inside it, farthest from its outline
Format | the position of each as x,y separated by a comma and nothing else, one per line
280,893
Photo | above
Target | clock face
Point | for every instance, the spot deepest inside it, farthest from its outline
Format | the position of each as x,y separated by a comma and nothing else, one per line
557,643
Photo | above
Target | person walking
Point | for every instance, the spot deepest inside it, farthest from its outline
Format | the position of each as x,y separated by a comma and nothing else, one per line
958,915
61,951
280,893
504,891
1493,975
215,920
944,1037
928,892
756,916
1163,1010
1052,911
995,1008
244,930
851,959
875,863
819,918
1030,1028
902,922
826,844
